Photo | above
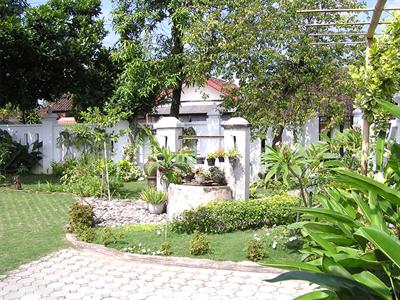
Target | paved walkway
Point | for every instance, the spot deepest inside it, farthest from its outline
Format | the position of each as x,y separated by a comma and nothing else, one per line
84,274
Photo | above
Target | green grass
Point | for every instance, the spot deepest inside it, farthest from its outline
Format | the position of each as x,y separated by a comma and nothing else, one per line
51,183
31,225
228,246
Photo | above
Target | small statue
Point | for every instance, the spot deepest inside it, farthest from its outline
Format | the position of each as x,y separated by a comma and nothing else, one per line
17,182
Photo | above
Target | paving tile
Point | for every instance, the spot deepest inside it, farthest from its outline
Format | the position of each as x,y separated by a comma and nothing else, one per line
71,274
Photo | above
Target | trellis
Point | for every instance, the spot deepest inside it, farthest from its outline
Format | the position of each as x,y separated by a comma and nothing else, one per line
369,38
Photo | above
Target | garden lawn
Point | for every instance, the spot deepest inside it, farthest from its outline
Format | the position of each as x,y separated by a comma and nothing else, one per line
227,246
31,226
51,183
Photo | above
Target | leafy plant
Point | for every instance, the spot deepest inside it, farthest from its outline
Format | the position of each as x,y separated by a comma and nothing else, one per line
172,165
255,249
80,215
352,240
152,196
128,171
211,156
220,152
217,175
165,249
228,216
233,153
200,244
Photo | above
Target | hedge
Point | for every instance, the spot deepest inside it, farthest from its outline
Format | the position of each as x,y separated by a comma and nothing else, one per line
228,216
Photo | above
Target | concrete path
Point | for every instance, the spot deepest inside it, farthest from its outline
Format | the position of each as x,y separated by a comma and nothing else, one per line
86,274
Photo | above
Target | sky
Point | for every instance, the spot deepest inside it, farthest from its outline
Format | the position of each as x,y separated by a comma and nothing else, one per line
112,37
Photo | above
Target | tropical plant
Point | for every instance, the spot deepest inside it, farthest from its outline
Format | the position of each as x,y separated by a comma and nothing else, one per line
352,241
128,171
152,196
173,165
211,156
220,152
302,164
233,153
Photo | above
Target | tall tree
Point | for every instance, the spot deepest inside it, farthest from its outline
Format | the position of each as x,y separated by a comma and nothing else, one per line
152,33
284,79
53,49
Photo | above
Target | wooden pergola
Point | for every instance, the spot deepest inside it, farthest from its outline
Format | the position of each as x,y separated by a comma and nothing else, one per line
368,41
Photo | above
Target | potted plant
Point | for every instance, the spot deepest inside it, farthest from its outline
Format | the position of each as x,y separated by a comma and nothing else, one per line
200,160
199,175
217,176
189,175
150,171
156,200
233,155
220,153
211,159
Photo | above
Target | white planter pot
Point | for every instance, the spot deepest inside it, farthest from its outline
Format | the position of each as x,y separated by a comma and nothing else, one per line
156,209
199,179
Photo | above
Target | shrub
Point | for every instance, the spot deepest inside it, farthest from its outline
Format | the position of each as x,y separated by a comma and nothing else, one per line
165,249
109,236
199,245
255,249
85,234
152,196
80,215
128,171
228,216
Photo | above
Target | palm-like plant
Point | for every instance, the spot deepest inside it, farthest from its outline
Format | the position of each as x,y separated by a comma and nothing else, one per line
172,163
353,246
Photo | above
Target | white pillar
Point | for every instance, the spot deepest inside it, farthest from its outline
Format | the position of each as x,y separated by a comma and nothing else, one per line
357,117
168,131
213,128
49,141
237,135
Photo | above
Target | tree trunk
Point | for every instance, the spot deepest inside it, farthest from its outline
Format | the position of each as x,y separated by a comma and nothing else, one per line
277,136
177,51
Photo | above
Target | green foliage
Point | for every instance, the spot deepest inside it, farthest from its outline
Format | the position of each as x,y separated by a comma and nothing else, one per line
173,165
284,80
109,236
64,38
380,80
200,244
211,156
302,164
352,240
14,156
255,249
80,216
152,196
217,175
165,249
233,153
228,216
128,171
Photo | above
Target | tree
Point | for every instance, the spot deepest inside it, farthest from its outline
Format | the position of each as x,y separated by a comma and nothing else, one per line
284,80
151,34
53,49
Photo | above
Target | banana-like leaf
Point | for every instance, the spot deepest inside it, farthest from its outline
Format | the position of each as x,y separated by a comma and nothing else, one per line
383,241
328,214
319,295
367,184
391,108
293,265
346,289
333,268
379,149
374,282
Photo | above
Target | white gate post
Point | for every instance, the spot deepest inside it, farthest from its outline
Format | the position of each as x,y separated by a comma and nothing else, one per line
48,122
168,130
237,135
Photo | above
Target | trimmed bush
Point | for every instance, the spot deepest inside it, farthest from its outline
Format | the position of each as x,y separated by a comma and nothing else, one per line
228,216
199,245
255,250
80,216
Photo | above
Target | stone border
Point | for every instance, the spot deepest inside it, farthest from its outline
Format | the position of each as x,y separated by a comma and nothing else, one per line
173,261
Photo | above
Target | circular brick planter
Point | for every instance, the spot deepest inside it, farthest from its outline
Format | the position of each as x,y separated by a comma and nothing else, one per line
183,197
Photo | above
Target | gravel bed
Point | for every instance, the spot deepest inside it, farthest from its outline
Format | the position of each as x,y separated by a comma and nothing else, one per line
121,212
